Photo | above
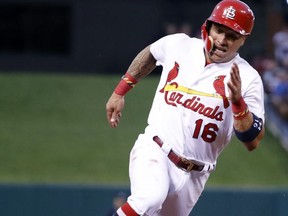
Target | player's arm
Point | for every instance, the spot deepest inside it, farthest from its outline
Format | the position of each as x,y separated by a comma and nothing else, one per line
143,64
249,128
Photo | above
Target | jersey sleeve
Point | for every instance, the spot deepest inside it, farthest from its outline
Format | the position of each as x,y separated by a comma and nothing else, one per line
160,47
254,98
253,92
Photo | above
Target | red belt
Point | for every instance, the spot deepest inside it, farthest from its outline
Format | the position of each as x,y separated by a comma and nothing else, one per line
180,162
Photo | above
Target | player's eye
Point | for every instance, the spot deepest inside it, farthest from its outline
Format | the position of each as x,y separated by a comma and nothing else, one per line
232,36
219,30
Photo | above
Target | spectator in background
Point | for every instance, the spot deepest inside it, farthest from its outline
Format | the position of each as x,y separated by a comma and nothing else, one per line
275,77
269,74
280,41
263,63
280,94
281,36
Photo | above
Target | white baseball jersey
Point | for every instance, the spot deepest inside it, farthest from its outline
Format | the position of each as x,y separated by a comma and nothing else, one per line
191,109
191,112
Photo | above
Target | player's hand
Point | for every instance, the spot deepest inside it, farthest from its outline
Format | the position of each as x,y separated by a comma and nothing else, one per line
234,84
114,108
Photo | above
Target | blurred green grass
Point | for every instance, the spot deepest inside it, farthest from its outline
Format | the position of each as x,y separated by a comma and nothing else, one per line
53,129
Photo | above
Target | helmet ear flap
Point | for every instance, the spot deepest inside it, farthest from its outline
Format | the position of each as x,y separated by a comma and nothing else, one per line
208,40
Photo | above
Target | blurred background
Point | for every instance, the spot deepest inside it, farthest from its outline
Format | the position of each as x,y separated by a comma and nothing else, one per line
60,61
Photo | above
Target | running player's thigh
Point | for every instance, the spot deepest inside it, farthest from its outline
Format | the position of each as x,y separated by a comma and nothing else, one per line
149,176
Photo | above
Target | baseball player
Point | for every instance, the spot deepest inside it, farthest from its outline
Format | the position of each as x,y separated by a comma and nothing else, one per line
207,93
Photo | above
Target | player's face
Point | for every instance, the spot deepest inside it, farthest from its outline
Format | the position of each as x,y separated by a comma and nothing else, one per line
226,43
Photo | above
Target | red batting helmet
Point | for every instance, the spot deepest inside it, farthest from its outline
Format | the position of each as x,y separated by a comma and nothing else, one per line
234,14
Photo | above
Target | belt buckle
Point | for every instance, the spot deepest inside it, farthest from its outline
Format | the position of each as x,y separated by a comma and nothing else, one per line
189,163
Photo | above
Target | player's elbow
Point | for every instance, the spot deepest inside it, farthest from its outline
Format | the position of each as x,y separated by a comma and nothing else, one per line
251,146
256,142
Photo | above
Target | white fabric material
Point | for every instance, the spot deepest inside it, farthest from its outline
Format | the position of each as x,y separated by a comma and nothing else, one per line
193,118
166,148
175,115
157,185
